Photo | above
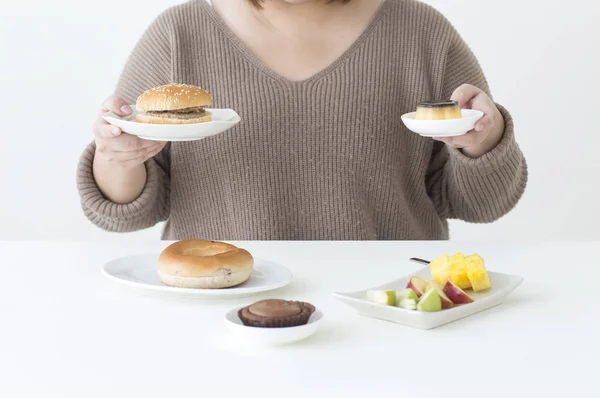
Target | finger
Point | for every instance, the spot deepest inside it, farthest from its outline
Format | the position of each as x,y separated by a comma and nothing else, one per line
470,139
447,140
116,105
142,153
465,94
153,152
458,142
143,144
131,163
450,142
122,143
485,123
140,159
125,143
484,104
105,130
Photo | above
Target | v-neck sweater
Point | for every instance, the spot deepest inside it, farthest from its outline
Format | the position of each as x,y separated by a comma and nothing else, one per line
326,158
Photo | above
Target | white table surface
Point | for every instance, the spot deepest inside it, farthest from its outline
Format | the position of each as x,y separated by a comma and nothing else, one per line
67,331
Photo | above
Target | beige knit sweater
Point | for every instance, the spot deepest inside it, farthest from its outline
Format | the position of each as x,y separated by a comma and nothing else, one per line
327,158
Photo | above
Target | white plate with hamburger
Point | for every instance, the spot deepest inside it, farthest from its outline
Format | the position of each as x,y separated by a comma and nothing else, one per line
174,112
441,119
200,269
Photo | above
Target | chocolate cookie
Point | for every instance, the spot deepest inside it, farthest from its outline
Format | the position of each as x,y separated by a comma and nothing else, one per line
274,313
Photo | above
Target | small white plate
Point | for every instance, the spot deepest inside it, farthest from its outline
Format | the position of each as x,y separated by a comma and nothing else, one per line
272,336
502,286
443,128
223,120
140,271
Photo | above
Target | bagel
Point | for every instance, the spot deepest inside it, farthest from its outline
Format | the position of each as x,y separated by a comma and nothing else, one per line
204,264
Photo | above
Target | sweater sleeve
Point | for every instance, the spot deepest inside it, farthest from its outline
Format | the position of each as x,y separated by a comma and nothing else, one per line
148,65
483,189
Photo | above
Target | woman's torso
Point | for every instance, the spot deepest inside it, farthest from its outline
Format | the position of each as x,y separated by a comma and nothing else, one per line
323,158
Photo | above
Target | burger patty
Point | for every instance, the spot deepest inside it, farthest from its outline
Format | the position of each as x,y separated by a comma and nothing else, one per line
185,113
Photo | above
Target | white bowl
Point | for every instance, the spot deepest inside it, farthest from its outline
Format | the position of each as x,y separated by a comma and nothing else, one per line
272,336
443,128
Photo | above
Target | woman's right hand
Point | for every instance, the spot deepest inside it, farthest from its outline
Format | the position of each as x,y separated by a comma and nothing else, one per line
120,149
118,166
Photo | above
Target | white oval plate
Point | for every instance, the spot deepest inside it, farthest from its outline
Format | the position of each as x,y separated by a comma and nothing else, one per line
272,336
443,128
140,271
502,286
223,120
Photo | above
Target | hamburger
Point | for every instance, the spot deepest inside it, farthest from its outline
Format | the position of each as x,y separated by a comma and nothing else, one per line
174,104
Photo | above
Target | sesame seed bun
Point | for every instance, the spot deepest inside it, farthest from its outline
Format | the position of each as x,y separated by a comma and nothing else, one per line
172,97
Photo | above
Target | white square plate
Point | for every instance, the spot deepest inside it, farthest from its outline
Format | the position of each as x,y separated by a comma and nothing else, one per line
502,286
222,120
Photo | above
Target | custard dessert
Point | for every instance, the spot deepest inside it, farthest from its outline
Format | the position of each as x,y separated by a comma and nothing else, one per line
441,110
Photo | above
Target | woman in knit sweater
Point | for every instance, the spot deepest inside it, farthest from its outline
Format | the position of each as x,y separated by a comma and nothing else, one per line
321,152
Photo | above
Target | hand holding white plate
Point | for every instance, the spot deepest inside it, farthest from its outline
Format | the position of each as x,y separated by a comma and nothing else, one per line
443,128
174,112
222,120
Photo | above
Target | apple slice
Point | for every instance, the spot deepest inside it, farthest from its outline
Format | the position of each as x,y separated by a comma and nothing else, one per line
456,294
418,285
430,302
407,299
446,302
383,297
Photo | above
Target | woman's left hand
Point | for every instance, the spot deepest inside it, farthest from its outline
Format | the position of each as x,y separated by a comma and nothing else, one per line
488,130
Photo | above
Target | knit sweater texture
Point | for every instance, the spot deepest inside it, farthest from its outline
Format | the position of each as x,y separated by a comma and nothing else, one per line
326,158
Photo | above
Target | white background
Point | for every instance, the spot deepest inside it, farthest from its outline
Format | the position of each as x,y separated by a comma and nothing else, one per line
541,57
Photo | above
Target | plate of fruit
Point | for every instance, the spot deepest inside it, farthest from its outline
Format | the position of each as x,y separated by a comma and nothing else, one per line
447,289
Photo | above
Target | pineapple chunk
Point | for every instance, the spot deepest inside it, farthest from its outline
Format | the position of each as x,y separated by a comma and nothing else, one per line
439,269
458,271
477,273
